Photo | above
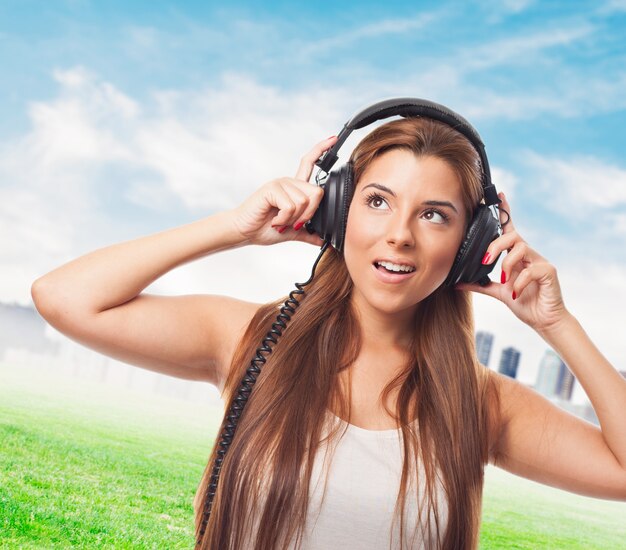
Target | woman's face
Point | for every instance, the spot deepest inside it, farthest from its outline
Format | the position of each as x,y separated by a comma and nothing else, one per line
408,210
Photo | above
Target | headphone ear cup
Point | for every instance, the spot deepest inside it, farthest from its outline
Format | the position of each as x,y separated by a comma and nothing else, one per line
468,267
345,185
331,217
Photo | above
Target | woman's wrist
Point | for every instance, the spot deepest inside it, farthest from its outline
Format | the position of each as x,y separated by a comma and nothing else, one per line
225,233
563,323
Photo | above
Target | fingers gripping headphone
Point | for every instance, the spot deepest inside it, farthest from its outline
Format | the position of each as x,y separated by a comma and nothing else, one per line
330,219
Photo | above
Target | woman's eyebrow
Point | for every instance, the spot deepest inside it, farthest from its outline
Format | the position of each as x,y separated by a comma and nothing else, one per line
381,187
441,203
428,203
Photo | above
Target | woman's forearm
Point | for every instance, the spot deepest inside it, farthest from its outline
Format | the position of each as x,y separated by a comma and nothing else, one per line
604,386
111,276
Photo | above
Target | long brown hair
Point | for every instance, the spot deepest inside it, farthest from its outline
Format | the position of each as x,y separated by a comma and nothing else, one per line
263,491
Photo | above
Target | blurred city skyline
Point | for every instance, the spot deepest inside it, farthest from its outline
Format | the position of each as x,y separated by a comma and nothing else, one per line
26,340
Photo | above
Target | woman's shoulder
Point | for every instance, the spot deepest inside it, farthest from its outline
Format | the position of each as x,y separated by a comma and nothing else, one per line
231,317
497,388
507,397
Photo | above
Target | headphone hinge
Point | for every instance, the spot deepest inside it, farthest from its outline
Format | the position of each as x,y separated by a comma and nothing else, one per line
491,195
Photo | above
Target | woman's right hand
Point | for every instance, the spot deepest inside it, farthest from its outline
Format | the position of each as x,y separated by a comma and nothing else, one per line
283,203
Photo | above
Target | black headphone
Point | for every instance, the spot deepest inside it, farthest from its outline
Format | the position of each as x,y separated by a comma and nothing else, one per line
329,220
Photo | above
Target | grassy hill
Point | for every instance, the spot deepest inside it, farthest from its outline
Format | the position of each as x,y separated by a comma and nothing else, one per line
95,466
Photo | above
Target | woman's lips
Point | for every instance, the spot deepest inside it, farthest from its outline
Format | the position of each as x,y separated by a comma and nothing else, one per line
386,277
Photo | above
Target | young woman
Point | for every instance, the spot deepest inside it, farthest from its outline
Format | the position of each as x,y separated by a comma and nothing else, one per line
371,421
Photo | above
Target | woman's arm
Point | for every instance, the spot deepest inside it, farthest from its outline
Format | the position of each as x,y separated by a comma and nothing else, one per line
605,387
538,440
96,299
542,442
111,276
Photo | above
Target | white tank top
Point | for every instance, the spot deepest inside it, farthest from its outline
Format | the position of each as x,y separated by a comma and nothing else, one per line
363,483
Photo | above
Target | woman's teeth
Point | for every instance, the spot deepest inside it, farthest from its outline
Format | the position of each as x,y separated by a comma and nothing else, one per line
393,268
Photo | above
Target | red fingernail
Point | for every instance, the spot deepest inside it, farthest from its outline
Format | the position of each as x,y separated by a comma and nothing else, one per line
282,229
298,225
486,258
503,277
330,137
514,295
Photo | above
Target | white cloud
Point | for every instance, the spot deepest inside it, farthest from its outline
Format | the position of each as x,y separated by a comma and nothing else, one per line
549,86
456,79
613,6
213,148
142,38
206,150
571,96
519,49
594,294
505,181
576,187
619,223
368,30
517,6
451,78
46,197
254,273
102,98
82,125
497,10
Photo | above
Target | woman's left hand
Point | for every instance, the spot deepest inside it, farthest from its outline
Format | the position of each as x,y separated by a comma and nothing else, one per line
529,284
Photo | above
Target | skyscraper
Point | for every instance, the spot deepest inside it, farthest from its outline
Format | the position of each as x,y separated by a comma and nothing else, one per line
484,341
565,383
548,374
554,378
509,361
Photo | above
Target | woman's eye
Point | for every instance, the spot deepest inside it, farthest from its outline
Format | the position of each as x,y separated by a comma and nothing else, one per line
374,200
435,216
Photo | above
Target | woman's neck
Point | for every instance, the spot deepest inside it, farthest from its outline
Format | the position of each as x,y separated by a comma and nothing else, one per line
384,332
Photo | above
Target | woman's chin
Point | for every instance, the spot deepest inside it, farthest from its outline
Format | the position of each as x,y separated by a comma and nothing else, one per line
393,306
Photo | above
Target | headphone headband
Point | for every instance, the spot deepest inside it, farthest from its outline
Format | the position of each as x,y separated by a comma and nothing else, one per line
414,107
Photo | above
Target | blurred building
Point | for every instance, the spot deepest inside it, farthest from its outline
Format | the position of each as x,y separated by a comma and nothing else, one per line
484,343
509,362
554,379
565,383
21,327
548,374
27,340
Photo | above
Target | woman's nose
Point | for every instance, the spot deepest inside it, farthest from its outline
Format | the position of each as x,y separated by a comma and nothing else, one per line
400,232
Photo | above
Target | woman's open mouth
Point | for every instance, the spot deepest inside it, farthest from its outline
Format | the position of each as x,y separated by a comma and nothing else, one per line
388,276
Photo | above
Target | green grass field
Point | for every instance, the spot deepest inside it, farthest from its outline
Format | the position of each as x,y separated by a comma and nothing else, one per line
111,468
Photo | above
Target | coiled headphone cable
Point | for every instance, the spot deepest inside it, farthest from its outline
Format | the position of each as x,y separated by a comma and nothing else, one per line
245,389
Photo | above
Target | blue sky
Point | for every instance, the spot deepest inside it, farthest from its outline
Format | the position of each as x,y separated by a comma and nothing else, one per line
126,118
